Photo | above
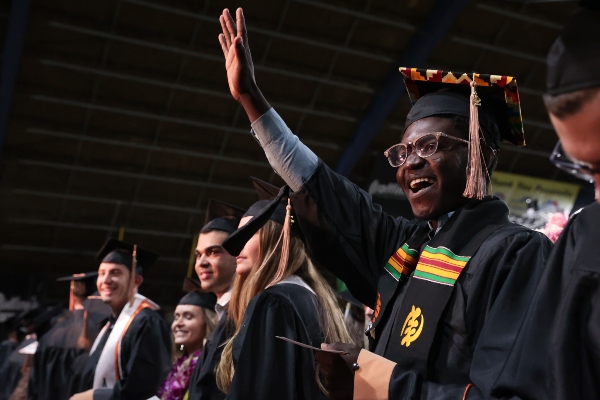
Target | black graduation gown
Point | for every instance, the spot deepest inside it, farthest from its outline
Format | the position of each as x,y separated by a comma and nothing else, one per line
11,372
352,237
557,352
270,368
56,353
203,385
6,348
145,357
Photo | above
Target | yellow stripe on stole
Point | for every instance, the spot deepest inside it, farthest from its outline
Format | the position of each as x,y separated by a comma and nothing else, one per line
437,271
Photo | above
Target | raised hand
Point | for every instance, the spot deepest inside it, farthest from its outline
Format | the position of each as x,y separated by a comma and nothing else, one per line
239,65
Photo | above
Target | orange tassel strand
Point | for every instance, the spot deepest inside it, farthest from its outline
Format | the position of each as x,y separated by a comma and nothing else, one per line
476,183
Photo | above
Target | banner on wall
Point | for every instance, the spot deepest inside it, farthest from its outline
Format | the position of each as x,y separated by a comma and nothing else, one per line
532,200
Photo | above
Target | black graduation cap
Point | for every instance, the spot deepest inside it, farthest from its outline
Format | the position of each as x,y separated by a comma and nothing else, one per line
196,297
574,58
118,252
269,207
88,278
221,217
446,92
85,276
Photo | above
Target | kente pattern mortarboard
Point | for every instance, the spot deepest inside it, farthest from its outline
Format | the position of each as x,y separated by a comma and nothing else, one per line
420,82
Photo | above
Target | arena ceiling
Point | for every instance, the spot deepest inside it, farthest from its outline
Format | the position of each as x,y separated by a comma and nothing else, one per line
120,117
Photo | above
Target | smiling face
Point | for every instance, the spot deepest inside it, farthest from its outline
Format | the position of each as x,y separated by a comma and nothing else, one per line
214,265
189,327
250,253
434,185
579,134
113,285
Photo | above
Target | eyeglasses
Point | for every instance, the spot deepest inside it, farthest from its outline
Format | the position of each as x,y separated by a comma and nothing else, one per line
579,169
425,146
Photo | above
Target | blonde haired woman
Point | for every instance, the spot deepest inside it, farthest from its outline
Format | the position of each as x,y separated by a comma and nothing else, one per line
277,292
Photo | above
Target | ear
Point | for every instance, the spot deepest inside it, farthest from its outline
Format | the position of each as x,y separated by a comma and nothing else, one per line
138,280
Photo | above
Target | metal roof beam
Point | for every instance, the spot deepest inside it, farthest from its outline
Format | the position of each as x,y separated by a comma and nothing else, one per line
74,252
134,175
99,200
520,17
148,147
185,88
176,120
255,29
95,227
287,71
415,53
359,15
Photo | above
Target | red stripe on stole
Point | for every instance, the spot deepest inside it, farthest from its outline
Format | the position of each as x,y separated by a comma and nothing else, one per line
440,264
401,260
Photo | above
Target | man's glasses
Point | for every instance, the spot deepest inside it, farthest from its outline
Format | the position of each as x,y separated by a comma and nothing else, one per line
576,168
425,146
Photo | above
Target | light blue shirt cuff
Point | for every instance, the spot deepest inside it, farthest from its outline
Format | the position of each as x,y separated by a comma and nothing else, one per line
288,156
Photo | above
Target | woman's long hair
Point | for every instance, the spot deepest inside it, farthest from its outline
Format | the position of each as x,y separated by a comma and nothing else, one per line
281,254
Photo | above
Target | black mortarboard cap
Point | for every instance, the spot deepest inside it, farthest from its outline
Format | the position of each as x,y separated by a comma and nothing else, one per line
119,252
437,92
204,300
269,207
88,278
221,217
85,276
574,58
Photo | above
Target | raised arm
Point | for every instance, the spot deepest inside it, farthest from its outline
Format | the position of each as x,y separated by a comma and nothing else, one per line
291,159
239,65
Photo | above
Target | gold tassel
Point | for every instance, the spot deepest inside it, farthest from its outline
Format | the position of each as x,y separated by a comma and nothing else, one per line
132,275
476,183
285,245
84,339
72,297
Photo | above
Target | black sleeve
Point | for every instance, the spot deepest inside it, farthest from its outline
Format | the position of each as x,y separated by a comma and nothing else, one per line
270,368
145,357
346,232
507,273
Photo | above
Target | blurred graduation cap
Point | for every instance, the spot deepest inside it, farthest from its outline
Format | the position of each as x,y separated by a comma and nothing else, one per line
491,101
195,297
88,278
118,252
271,206
574,58
221,217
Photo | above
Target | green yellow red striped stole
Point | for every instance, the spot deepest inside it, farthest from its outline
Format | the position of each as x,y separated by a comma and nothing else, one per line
440,265
402,263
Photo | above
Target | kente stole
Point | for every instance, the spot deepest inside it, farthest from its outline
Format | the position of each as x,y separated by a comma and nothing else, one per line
430,271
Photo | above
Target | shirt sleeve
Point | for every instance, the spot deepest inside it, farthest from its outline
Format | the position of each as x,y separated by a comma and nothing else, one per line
288,156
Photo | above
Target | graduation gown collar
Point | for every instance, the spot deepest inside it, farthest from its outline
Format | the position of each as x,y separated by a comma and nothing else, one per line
109,368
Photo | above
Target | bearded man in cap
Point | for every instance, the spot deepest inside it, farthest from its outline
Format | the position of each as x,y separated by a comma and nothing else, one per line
215,268
131,356
450,289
